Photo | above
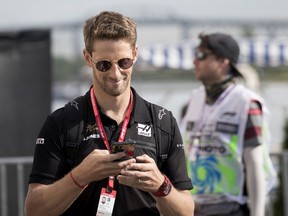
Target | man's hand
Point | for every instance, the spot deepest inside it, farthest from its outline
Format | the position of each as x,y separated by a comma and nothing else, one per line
99,164
143,175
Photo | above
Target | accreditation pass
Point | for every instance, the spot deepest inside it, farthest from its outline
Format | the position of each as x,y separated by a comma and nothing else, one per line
106,203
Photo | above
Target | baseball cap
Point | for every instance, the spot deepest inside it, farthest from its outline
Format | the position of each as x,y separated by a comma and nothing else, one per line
222,45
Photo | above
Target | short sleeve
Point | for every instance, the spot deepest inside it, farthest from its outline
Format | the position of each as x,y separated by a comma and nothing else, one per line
175,166
253,132
49,162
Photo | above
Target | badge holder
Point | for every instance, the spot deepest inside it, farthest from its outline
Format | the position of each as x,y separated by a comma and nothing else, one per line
107,199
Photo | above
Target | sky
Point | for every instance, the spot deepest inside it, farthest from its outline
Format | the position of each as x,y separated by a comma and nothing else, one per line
21,14
29,13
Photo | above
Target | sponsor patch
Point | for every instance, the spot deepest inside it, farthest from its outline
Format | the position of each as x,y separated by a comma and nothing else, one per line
91,132
226,128
209,145
40,141
91,128
213,150
92,136
180,146
144,130
231,114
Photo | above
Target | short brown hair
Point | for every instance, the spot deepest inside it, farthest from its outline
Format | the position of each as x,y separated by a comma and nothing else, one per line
109,25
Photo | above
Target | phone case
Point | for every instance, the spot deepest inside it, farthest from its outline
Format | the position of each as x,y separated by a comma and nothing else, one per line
127,146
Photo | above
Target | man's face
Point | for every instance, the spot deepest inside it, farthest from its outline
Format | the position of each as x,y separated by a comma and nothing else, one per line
208,68
109,74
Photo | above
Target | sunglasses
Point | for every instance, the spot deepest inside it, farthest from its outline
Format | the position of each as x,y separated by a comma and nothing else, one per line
200,55
105,65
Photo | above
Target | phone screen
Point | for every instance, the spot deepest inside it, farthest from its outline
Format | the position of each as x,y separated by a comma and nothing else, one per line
127,146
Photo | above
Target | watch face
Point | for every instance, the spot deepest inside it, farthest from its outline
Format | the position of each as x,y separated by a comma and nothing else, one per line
167,189
164,189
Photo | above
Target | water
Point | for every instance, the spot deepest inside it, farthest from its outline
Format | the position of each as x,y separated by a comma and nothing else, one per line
174,94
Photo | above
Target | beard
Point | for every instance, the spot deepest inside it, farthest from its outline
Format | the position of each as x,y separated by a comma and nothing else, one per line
111,86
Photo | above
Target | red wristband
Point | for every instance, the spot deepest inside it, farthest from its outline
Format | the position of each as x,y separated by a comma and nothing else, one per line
75,182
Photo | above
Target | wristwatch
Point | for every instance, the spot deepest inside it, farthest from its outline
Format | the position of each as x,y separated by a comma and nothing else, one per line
164,189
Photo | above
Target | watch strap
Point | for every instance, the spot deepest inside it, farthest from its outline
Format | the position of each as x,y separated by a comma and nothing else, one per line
164,189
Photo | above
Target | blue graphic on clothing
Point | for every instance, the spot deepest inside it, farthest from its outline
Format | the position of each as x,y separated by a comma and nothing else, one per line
205,174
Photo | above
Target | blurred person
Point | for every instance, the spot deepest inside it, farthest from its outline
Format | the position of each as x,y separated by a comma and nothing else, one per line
113,112
225,134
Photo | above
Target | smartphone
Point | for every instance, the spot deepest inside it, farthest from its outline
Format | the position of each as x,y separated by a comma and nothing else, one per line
126,146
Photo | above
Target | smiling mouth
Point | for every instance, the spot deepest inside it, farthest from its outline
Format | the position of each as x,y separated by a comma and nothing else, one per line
116,81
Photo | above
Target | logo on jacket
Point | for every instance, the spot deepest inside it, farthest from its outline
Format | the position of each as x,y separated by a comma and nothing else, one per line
144,130
226,127
40,141
91,127
161,113
91,132
75,104
231,114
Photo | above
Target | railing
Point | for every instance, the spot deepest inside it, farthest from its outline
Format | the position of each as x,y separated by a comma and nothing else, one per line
280,161
19,162
285,180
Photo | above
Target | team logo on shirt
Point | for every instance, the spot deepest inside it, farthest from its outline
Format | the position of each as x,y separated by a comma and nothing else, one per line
40,141
180,146
161,113
91,127
91,132
144,130
75,104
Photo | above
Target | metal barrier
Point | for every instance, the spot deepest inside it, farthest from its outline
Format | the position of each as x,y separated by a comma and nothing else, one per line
280,160
19,162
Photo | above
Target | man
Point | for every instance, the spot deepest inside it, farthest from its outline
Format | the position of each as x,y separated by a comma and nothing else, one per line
113,112
225,134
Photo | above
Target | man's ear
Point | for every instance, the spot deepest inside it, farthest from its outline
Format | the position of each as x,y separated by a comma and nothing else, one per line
226,61
135,53
87,57
225,65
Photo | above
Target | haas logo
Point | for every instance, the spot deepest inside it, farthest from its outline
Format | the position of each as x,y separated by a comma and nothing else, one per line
144,130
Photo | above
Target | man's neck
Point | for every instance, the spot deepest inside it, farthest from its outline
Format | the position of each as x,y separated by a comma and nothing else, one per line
113,106
215,90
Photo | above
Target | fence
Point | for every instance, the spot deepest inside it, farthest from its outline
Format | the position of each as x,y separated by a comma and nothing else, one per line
5,163
280,161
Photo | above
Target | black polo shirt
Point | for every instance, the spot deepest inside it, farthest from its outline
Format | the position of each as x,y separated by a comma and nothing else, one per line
50,162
